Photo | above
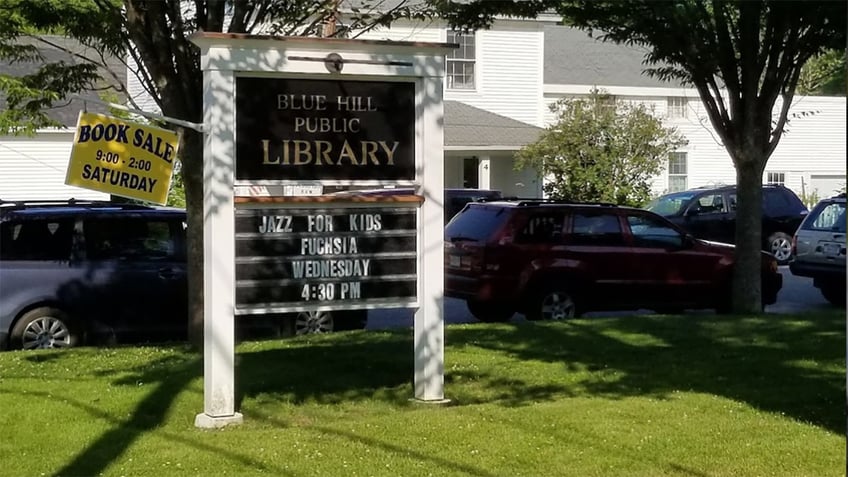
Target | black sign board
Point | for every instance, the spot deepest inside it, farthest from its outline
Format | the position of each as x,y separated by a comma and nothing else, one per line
288,257
309,129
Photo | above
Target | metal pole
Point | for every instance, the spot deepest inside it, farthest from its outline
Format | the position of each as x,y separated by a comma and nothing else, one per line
196,126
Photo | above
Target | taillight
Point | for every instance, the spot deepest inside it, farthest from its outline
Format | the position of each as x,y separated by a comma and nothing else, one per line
794,245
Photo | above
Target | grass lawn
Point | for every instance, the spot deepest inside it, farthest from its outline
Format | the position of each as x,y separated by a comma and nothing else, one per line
688,396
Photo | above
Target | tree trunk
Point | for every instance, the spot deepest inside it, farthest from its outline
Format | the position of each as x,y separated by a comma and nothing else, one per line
747,279
192,156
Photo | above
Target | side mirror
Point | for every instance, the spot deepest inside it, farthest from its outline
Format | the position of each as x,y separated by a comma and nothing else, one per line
692,211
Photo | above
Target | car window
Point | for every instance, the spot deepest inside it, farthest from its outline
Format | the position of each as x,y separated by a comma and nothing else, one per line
129,239
671,204
731,201
775,203
709,204
651,232
542,227
827,217
596,229
476,222
36,239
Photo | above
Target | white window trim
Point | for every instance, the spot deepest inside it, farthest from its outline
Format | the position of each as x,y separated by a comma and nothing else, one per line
781,174
685,176
475,62
677,111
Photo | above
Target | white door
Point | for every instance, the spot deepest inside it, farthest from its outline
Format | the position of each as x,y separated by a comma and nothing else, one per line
826,185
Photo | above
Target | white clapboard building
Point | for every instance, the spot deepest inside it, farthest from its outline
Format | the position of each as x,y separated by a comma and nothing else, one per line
499,86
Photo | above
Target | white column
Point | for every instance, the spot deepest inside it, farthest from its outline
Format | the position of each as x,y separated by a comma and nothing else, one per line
218,251
484,172
429,328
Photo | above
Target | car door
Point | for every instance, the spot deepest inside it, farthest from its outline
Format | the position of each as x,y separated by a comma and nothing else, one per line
597,246
667,268
137,266
707,217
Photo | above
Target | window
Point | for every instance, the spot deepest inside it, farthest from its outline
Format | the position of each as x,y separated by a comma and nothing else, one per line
470,173
542,228
709,204
775,203
596,229
677,107
830,218
650,232
778,178
129,239
460,62
677,172
36,240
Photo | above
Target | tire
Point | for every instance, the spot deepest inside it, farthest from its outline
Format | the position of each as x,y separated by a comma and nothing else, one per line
780,245
553,303
350,320
490,312
44,328
313,322
834,294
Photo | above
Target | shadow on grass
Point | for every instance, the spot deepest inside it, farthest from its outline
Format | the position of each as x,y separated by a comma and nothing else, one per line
772,363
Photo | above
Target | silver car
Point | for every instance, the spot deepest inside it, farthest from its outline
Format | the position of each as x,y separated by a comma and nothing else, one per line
819,249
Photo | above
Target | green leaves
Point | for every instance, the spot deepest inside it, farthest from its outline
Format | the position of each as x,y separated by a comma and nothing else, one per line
601,149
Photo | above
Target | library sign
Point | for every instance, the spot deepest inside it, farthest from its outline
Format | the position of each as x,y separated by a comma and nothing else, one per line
302,258
310,129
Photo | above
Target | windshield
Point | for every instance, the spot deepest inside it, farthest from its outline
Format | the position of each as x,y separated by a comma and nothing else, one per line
671,204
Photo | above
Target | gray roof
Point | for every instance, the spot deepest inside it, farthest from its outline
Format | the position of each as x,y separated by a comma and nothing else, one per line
467,126
67,111
572,57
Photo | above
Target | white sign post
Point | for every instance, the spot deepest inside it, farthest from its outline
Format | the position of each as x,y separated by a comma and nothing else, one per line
225,59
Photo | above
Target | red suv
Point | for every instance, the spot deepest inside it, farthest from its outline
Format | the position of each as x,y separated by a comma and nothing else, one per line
554,260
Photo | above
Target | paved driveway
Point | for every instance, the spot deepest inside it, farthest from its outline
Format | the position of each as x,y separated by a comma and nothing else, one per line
797,295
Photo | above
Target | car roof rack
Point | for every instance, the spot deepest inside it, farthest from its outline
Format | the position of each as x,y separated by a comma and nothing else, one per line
529,201
7,205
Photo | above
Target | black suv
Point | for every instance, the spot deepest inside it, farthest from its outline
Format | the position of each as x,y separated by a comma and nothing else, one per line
76,269
553,260
709,213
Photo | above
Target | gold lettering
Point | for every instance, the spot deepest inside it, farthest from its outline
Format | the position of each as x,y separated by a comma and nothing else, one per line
347,152
300,152
265,158
322,151
286,158
390,153
369,148
302,148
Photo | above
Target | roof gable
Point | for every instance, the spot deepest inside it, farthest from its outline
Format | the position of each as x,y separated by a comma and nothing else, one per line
467,126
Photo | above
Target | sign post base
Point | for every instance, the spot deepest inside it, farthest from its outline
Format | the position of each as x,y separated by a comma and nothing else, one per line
205,421
440,402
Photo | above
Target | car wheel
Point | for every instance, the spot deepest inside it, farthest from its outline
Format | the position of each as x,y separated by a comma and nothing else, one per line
553,304
834,294
313,322
489,312
780,245
44,328
350,320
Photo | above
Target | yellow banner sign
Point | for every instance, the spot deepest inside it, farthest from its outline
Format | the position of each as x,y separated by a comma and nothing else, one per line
122,158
